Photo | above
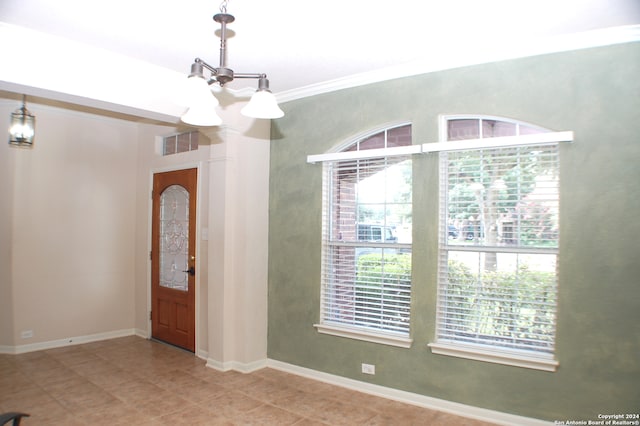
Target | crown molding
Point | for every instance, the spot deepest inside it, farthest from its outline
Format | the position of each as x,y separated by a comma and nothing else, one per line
498,52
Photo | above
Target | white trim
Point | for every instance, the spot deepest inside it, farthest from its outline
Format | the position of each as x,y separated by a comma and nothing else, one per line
217,365
142,333
202,354
69,341
465,144
423,401
7,350
366,153
198,165
497,52
477,353
367,336
499,142
236,366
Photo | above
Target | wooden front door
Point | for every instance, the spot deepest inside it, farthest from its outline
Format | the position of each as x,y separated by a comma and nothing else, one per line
173,258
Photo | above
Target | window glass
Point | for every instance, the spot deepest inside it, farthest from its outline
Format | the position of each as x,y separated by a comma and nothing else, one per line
366,280
182,142
499,221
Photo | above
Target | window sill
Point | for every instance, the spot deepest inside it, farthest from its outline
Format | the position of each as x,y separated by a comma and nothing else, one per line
516,359
366,335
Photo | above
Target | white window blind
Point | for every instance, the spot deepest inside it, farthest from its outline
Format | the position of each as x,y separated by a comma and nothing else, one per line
366,263
497,282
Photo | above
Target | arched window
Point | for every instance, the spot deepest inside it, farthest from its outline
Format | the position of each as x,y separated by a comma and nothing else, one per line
366,267
499,219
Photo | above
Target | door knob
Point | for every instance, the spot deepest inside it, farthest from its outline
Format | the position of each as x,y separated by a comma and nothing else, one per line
191,271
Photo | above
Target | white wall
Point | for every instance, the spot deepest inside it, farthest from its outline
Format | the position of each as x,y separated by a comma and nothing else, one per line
75,229
6,208
71,245
232,243
238,221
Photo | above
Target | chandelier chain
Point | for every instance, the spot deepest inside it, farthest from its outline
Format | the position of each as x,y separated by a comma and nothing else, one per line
223,6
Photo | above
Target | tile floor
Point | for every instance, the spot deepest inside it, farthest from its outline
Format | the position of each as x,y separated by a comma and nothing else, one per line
135,381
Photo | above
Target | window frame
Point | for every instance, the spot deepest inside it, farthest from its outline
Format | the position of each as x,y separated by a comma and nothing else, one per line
337,155
179,143
478,351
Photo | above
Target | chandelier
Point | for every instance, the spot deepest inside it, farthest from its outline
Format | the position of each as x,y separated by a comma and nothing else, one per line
202,112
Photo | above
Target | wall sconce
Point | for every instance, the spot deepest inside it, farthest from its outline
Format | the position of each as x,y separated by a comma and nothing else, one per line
23,126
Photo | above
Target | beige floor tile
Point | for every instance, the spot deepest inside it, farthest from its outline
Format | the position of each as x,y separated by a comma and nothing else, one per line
113,380
137,392
305,404
50,413
446,419
136,381
266,415
309,422
340,413
268,391
162,407
201,393
13,381
194,416
109,412
231,404
25,400
408,417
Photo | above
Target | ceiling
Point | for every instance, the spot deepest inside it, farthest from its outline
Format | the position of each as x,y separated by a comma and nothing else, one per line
301,43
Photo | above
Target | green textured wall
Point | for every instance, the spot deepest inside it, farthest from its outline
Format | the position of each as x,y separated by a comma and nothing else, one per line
595,93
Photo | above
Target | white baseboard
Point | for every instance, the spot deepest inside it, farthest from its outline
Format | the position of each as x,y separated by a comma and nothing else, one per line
236,366
455,408
142,333
69,341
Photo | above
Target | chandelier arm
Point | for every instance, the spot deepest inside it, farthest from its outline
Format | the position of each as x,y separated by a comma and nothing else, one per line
249,75
211,68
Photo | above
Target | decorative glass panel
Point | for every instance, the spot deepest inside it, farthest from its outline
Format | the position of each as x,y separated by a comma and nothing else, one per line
174,238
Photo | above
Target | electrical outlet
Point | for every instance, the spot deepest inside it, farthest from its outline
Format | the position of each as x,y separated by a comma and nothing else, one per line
368,369
27,334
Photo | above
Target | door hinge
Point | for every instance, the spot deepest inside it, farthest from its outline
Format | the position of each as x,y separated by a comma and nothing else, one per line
150,315
151,255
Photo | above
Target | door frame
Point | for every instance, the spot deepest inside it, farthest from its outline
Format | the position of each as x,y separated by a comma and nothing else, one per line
152,172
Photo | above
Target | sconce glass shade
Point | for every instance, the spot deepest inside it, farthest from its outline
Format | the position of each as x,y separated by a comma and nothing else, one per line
22,128
263,104
202,109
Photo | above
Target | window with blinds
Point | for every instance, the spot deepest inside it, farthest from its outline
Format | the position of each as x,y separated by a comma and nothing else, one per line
497,281
366,264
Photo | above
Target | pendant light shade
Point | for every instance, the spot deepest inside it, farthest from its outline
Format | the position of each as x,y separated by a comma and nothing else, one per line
202,115
22,129
262,104
202,111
